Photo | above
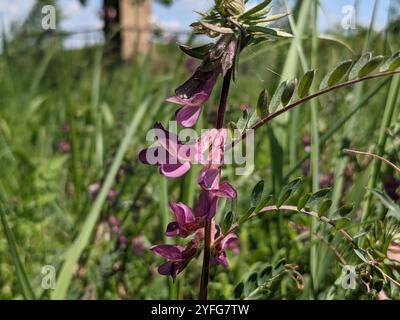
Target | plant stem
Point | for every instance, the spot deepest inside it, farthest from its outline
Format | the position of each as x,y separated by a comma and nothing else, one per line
223,100
207,230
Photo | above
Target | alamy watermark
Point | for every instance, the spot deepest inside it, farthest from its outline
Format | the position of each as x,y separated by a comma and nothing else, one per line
349,20
49,20
49,277
349,278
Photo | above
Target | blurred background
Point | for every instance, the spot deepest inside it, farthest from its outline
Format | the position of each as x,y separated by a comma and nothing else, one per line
82,82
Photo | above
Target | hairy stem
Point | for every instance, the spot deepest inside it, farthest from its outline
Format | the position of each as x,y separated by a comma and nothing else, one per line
207,230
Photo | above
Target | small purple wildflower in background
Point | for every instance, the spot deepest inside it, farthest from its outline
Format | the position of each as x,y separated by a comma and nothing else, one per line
66,127
112,195
307,143
64,147
137,245
326,180
95,188
122,241
115,224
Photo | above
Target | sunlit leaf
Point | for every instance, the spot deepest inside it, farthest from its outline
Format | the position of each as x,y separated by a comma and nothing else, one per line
371,66
361,62
305,84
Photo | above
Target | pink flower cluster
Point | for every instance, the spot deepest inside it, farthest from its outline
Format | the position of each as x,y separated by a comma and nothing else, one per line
175,159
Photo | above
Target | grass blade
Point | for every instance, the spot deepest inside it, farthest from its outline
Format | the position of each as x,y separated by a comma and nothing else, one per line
82,240
22,278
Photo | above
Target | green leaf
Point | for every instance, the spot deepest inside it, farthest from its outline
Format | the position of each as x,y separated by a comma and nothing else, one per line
255,9
243,121
228,222
253,120
361,255
285,195
197,52
345,210
337,74
303,201
279,267
288,92
394,209
370,66
257,193
238,291
251,283
392,63
262,104
288,190
364,59
265,274
294,184
277,97
317,196
247,215
325,206
264,202
232,127
341,223
395,64
305,84
270,31
215,28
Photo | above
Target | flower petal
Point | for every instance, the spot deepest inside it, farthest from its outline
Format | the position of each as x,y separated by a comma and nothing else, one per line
182,213
226,190
207,205
228,241
188,116
171,252
209,178
165,269
175,170
150,156
172,230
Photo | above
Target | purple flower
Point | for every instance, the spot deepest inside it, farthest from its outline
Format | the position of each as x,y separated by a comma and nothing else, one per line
112,195
230,241
64,147
94,189
307,143
178,257
192,95
175,158
186,222
169,156
208,199
137,245
196,91
66,127
122,241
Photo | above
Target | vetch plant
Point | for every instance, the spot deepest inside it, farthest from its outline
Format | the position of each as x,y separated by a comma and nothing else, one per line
235,29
